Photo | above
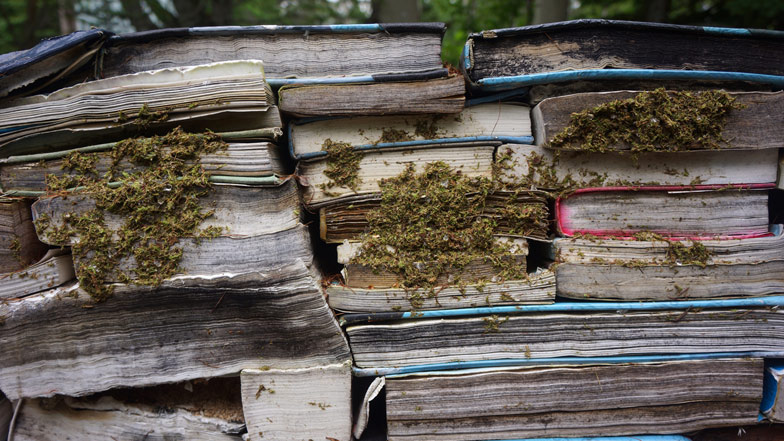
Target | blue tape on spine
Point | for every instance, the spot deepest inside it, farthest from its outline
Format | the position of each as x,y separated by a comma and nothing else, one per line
504,83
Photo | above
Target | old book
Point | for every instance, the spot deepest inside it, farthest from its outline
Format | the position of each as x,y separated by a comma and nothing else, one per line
24,72
240,159
694,211
298,404
662,269
187,328
759,124
471,159
759,432
500,121
208,409
552,402
291,54
564,329
618,50
19,245
559,170
539,288
346,219
411,95
54,269
144,98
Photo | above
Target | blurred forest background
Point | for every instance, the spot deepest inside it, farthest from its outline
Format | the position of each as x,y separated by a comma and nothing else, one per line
24,22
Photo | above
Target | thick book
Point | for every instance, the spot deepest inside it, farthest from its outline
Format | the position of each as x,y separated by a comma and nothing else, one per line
755,120
346,218
501,121
538,288
19,245
564,401
205,409
417,94
545,168
619,50
291,54
471,159
187,328
144,99
28,173
24,72
698,211
657,268
564,329
298,404
54,269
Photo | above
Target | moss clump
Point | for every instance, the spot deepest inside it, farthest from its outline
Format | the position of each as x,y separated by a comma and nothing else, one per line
678,253
145,117
651,121
159,204
342,165
394,135
427,129
434,224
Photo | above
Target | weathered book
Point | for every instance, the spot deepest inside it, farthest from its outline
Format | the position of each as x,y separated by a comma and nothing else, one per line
564,329
24,72
145,99
208,409
54,269
538,288
755,120
698,211
187,328
19,245
261,221
298,404
656,268
362,276
619,50
240,159
506,122
346,218
574,401
563,170
414,94
291,54
470,158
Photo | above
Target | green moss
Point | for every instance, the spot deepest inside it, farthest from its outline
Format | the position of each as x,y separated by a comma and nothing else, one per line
342,165
394,135
16,250
145,116
651,121
159,204
435,223
427,129
493,323
678,253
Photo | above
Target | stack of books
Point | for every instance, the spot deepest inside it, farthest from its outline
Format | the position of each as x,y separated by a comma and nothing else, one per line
666,249
191,262
321,232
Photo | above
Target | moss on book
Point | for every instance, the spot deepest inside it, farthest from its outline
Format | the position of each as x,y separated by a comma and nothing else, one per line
435,223
342,165
159,203
655,120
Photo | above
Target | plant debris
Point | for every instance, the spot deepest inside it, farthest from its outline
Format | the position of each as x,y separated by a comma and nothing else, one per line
651,121
342,165
435,223
158,202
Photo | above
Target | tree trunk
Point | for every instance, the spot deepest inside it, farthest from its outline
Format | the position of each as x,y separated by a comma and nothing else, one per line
396,11
548,11
66,16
